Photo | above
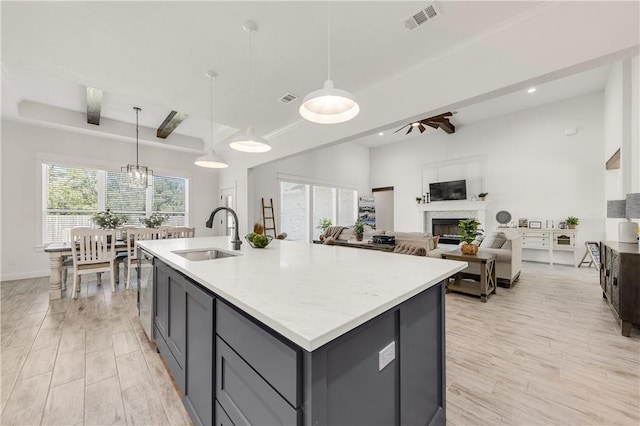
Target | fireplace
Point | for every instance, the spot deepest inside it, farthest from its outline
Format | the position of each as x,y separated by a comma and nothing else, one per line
447,229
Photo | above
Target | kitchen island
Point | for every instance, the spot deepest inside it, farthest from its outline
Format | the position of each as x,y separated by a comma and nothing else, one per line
301,333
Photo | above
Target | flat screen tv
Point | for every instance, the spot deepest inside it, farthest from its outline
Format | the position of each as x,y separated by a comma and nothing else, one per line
445,191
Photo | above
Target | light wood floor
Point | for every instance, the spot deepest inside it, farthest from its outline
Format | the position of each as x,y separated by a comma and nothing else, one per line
548,352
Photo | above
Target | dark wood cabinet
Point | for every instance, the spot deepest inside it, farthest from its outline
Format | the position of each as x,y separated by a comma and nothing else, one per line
620,281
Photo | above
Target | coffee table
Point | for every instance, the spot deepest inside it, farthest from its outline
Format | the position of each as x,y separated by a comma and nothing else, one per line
487,283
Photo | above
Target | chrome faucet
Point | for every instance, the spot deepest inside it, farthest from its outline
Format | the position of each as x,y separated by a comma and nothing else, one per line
236,238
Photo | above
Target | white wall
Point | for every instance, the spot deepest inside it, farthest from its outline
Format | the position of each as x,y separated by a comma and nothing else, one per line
23,149
346,164
533,170
621,116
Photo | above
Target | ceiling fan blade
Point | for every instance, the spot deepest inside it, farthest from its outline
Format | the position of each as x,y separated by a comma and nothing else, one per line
409,131
401,128
434,125
421,128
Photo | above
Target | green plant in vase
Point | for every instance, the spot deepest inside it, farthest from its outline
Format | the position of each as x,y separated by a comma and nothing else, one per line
572,222
155,220
358,229
483,195
324,224
469,231
108,220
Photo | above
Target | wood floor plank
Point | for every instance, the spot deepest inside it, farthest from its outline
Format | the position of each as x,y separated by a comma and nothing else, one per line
69,367
39,361
101,364
104,404
26,402
143,408
65,404
124,342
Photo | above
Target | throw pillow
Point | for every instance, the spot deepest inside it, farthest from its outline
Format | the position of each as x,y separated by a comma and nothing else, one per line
507,245
435,241
499,240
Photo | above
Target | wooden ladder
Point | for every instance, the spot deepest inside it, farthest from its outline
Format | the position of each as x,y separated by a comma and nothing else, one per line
268,215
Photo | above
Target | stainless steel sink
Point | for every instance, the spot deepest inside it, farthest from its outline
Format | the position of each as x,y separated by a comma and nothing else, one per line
204,254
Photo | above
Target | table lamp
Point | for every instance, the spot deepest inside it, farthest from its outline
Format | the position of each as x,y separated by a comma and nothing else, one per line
632,211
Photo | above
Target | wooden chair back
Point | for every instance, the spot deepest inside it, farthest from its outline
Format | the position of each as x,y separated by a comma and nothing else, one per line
180,232
92,246
137,234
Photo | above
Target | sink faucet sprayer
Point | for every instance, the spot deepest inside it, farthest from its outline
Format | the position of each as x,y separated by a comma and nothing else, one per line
236,238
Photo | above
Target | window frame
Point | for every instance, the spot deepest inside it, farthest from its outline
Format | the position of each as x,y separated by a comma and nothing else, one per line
310,182
43,161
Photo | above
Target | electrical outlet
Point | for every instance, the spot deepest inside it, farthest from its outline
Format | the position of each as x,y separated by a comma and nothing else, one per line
386,355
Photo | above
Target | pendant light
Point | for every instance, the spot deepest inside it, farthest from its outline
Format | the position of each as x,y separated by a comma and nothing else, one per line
211,160
138,175
329,105
248,141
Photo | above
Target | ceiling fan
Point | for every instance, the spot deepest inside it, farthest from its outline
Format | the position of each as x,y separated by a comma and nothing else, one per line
437,122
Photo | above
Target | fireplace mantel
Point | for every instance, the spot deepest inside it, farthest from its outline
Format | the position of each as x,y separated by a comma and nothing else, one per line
453,206
450,209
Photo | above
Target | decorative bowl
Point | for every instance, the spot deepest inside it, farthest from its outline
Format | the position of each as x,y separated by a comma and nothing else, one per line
251,243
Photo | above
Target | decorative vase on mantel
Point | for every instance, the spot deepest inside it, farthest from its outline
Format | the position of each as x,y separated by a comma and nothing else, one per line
469,249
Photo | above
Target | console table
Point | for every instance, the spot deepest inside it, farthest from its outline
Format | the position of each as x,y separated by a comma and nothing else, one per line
487,284
620,281
549,240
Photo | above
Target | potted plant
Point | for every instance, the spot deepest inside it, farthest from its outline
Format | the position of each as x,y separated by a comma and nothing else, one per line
154,221
468,232
418,200
482,195
572,222
324,224
358,229
108,220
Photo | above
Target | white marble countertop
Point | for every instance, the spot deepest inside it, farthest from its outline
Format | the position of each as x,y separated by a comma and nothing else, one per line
309,293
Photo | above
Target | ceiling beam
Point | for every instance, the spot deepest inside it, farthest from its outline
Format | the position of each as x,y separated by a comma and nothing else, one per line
170,123
94,105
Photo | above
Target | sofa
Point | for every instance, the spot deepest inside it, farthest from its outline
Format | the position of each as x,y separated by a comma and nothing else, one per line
505,244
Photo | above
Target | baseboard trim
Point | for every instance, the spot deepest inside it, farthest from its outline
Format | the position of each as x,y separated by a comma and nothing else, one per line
25,275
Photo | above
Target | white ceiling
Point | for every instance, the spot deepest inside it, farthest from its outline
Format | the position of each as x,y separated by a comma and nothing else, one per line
155,54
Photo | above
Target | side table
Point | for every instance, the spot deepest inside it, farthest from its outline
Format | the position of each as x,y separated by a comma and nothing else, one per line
487,284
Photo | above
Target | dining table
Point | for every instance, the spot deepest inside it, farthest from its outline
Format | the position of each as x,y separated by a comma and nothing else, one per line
57,252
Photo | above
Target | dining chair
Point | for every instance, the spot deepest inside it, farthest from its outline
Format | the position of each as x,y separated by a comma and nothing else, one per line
133,236
92,252
121,257
180,232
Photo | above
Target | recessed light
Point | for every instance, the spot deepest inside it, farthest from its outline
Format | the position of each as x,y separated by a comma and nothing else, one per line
381,134
533,89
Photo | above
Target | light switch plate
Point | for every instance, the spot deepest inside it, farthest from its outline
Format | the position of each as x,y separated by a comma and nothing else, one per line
386,355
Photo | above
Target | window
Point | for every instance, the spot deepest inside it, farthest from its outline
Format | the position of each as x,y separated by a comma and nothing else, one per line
304,204
73,194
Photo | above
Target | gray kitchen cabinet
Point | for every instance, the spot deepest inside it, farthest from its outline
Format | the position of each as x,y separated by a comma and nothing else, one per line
199,356
235,370
185,338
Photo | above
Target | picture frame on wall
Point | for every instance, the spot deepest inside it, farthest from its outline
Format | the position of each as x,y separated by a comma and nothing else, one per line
523,223
535,224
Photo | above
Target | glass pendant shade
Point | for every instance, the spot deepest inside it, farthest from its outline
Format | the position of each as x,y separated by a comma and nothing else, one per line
138,175
211,161
329,105
249,142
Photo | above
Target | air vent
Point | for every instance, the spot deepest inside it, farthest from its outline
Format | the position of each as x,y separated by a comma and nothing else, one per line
289,97
423,15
